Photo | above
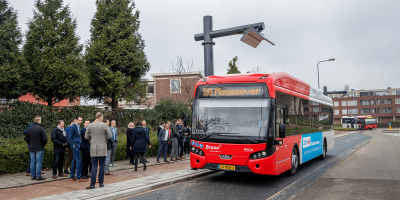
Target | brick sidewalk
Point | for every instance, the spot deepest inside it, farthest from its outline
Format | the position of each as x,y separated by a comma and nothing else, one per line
124,172
20,179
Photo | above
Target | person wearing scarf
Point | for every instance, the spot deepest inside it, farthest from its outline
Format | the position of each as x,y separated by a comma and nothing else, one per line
59,139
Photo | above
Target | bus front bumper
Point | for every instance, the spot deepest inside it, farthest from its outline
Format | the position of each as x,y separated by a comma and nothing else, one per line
266,166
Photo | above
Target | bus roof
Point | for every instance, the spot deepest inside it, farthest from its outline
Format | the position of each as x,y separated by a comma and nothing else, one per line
278,81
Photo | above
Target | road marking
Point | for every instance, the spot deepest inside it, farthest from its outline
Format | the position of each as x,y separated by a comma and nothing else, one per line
345,152
397,135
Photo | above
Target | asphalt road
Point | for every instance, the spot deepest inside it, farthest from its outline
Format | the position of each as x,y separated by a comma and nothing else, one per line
232,185
372,172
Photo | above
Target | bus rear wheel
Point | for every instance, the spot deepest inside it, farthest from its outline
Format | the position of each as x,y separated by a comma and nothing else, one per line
323,156
295,162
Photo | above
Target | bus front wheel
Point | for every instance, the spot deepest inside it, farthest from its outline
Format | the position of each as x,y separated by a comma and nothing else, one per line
295,162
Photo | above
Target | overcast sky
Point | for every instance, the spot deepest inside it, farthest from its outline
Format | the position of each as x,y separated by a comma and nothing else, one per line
362,35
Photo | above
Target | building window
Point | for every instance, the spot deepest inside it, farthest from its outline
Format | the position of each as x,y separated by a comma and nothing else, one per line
305,109
325,110
386,110
330,95
365,94
382,93
397,100
365,111
175,86
150,89
336,112
344,112
336,103
343,103
396,92
353,111
373,102
378,110
364,102
398,109
386,101
378,102
352,103
372,110
314,103
316,109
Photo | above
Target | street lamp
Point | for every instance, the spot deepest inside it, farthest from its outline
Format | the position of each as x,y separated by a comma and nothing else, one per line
332,59
251,36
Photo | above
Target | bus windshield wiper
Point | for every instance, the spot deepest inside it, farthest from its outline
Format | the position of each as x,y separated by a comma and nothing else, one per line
216,133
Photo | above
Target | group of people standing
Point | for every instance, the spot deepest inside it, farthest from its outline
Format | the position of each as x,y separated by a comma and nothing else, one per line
97,143
174,139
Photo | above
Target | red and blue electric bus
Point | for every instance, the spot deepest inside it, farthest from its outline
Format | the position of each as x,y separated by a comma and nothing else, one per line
366,122
259,123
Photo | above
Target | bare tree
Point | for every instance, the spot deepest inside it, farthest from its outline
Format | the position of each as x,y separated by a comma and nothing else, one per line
185,73
257,69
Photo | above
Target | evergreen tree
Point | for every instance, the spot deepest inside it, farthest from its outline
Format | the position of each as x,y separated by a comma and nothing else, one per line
232,67
115,53
53,53
12,70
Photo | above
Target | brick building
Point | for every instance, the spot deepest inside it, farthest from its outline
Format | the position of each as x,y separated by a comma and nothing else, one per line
35,99
384,104
176,86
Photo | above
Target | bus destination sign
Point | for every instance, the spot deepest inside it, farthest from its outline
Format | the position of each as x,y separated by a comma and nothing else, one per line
250,91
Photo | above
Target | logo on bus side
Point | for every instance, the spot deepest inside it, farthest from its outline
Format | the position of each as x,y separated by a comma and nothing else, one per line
248,149
212,147
307,142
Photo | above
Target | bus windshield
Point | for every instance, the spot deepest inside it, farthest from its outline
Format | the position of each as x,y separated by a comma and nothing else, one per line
241,117
370,121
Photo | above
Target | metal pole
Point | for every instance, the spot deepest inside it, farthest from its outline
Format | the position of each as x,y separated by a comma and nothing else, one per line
208,47
318,72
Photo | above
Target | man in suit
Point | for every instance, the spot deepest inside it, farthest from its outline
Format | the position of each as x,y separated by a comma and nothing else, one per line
98,133
114,140
148,137
59,139
85,151
36,138
163,140
74,141
68,161
28,169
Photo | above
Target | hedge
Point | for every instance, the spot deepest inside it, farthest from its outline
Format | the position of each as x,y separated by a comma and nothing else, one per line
15,117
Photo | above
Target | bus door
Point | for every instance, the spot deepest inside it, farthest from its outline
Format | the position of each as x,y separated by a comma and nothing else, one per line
282,155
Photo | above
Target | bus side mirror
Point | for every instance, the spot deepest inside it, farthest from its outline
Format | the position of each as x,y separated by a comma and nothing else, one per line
282,130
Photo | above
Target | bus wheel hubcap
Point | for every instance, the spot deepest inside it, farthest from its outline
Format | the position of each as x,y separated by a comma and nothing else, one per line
294,160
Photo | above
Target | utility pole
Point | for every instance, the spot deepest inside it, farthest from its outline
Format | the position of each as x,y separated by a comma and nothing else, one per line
251,36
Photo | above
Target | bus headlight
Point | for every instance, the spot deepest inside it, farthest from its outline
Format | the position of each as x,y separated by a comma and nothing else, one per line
257,155
197,151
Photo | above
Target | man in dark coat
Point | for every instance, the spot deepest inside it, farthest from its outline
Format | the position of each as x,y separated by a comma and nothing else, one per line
174,141
85,151
59,139
28,169
129,152
138,144
36,138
